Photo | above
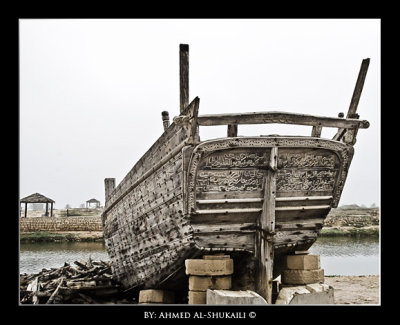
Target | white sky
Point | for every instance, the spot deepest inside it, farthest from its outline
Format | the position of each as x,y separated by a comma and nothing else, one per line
92,91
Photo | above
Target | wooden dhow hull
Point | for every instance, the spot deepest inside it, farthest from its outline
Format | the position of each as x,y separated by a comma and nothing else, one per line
258,198
209,197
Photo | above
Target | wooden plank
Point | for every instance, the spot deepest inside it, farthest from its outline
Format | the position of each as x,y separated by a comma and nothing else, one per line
217,219
226,211
183,76
265,250
310,207
300,225
250,200
237,227
294,236
236,240
279,117
303,198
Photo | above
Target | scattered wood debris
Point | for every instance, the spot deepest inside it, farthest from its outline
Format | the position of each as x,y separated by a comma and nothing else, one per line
88,282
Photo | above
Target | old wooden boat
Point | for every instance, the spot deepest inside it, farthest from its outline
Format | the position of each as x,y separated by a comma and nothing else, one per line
257,198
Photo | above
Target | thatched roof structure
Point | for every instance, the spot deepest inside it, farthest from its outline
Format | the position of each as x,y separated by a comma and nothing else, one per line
36,198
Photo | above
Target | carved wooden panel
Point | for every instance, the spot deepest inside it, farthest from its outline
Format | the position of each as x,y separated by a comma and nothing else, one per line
306,171
232,170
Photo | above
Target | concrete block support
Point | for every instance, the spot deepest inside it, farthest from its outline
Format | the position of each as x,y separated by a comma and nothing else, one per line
156,297
312,294
202,283
211,272
303,262
228,297
197,297
208,267
302,276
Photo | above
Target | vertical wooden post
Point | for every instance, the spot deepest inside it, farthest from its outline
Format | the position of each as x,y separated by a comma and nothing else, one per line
51,209
184,76
316,131
232,130
47,209
26,208
165,119
267,230
109,185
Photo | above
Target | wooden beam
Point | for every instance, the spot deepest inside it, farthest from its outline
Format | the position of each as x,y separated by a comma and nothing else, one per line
26,208
279,117
47,209
267,225
51,209
183,76
358,89
352,112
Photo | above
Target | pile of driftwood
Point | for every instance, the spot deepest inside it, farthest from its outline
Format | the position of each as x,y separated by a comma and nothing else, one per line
88,282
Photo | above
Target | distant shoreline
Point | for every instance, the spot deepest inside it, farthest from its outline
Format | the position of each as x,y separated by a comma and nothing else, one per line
66,236
352,222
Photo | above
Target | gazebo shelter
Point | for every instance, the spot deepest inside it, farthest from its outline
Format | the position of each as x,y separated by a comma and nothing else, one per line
38,198
92,201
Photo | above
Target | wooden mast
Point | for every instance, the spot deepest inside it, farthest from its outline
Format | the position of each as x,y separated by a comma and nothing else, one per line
183,76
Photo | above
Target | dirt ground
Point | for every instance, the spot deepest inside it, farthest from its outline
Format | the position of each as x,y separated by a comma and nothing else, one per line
355,289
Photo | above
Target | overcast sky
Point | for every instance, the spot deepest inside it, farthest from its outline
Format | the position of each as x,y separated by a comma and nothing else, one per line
92,91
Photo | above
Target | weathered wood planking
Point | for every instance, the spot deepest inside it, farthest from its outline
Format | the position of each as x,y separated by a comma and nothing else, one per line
280,117
147,222
228,179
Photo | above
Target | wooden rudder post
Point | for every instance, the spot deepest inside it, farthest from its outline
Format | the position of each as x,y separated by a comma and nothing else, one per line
265,252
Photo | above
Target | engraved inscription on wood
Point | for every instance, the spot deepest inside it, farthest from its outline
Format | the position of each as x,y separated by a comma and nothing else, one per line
310,180
229,180
232,171
238,159
301,170
286,160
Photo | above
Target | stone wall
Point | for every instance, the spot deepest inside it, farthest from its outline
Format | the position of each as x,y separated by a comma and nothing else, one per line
82,223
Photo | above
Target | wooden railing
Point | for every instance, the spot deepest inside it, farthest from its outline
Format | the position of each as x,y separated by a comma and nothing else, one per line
317,122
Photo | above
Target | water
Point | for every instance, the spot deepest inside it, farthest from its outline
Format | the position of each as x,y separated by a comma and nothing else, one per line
36,256
339,255
348,255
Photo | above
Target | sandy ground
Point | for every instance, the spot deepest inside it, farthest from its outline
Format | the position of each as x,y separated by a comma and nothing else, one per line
355,289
